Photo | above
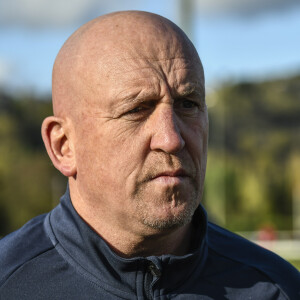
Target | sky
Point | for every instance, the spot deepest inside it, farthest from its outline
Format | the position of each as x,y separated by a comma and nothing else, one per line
237,39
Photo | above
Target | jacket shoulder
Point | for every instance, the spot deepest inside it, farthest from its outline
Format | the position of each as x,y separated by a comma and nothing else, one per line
23,245
236,248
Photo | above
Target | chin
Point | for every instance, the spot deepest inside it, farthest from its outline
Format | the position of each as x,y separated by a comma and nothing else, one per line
167,208
169,217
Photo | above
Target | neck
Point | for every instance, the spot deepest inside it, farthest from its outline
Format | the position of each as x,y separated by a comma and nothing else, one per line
173,241
143,242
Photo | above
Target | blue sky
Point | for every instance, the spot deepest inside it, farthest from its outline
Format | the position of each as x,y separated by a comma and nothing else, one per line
236,40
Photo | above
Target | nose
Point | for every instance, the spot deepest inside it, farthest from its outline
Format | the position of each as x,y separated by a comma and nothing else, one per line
166,135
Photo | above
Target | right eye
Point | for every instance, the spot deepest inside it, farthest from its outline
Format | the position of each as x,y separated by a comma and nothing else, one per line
141,111
136,110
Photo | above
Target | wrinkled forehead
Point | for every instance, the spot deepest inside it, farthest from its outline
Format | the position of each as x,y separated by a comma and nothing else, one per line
139,62
144,79
139,52
154,70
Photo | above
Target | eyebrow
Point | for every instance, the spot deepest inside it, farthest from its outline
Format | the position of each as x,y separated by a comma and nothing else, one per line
190,90
194,90
136,96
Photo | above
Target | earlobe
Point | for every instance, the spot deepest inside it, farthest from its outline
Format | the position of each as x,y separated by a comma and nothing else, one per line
58,144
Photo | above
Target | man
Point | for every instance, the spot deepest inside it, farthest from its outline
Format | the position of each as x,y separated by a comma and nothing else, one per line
130,131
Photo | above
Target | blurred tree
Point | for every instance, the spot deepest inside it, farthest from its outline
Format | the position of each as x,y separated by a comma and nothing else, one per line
25,169
254,132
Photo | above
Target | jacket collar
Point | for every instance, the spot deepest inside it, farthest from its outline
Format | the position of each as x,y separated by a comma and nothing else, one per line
89,253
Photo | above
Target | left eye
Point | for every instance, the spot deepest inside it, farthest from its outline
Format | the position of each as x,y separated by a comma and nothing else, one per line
188,104
187,107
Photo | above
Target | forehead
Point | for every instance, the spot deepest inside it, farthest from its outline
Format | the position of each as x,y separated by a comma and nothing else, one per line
127,76
171,73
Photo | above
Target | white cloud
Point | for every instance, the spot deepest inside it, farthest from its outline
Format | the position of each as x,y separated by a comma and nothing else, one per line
44,12
241,7
57,13
6,70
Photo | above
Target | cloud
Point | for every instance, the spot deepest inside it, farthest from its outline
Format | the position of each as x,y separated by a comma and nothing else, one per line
56,13
241,7
59,13
6,70
43,12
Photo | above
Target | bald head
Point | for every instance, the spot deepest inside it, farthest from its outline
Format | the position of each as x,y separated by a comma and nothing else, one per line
104,46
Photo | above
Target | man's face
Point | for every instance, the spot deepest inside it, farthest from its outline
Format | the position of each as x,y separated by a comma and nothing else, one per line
141,141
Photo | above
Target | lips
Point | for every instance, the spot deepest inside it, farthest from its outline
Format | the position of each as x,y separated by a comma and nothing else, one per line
171,177
172,173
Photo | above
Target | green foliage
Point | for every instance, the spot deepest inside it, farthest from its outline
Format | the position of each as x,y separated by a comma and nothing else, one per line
25,170
255,136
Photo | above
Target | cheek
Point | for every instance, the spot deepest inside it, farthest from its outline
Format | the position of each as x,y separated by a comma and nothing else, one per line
88,150
112,155
197,135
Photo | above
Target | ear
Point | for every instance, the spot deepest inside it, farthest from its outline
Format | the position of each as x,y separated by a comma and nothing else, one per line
59,146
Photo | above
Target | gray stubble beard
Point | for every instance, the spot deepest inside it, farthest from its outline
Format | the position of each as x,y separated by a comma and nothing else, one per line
175,221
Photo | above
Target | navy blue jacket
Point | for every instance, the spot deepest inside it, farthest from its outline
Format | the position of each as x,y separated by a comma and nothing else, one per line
58,256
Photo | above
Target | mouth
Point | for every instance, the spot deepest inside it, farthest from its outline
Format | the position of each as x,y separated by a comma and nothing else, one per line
172,173
172,177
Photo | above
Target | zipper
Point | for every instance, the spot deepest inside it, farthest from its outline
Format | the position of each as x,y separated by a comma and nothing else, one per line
151,272
147,285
